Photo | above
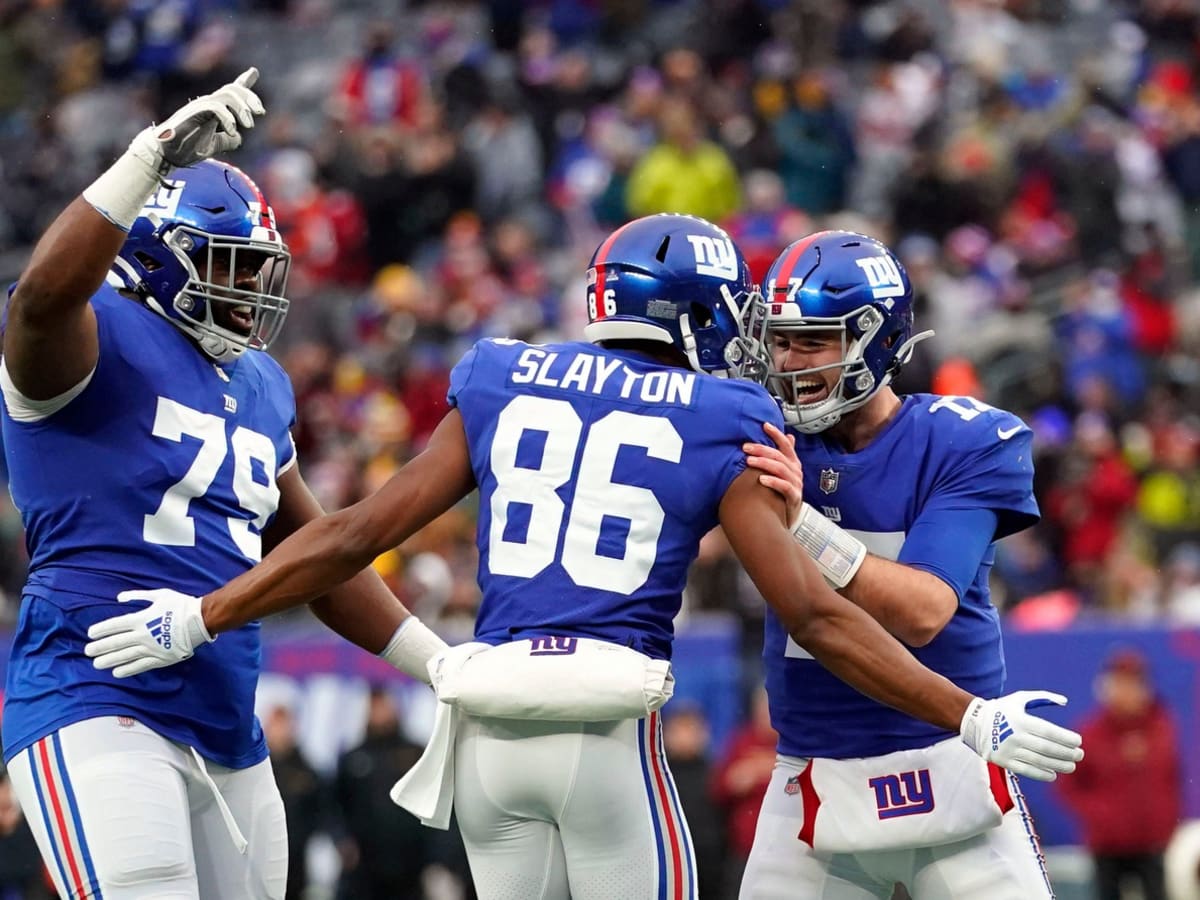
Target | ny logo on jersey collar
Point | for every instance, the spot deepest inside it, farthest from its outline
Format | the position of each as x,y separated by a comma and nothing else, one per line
829,481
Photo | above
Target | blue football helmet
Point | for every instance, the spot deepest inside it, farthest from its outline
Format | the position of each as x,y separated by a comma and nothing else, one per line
845,282
677,280
205,254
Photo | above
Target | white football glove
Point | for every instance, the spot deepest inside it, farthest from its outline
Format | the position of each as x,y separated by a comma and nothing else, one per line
166,632
202,128
1003,732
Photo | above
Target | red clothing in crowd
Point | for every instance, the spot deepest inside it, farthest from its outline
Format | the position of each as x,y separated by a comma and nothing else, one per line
382,90
1090,510
741,780
1126,790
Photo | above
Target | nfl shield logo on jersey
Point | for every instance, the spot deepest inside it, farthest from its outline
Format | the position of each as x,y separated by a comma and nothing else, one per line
793,785
829,481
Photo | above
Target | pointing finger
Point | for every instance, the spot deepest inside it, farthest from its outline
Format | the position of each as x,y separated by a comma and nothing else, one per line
247,78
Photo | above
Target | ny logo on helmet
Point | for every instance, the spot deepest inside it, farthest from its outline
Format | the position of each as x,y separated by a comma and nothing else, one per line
165,201
883,277
714,256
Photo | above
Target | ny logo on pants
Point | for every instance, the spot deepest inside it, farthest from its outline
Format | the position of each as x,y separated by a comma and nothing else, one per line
906,794
552,646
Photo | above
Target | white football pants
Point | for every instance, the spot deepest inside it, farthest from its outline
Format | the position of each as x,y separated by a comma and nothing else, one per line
558,810
1002,863
121,813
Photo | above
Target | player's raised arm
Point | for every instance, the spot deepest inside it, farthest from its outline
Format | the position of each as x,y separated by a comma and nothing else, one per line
911,604
853,646
318,557
50,341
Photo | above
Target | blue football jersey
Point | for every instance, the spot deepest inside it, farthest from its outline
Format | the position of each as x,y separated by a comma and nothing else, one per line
598,471
161,473
937,454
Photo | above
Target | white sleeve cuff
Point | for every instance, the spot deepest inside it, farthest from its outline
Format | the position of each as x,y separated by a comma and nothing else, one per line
23,409
411,647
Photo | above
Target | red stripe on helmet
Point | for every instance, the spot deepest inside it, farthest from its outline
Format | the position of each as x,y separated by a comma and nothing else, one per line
266,217
598,265
783,277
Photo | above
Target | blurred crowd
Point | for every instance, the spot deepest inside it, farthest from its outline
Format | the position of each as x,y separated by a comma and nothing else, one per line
442,171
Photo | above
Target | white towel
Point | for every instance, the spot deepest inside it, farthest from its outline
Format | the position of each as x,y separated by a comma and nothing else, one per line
561,679
427,789
547,679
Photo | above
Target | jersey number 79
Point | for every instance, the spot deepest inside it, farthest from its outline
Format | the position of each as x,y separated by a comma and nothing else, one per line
172,524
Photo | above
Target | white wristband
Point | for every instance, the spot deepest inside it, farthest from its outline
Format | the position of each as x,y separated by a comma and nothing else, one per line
123,189
837,553
971,723
411,647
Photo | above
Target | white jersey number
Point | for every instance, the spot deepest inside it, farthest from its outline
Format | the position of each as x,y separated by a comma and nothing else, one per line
596,494
171,524
966,408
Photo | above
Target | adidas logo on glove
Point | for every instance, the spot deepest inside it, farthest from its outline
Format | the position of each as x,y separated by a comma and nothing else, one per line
1001,730
160,630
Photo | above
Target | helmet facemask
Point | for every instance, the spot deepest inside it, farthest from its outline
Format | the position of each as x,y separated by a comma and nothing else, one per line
709,346
205,254
859,332
218,305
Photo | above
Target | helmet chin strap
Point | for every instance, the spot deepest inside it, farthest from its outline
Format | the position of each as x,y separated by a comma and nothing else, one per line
212,345
689,342
221,350
905,351
793,413
128,275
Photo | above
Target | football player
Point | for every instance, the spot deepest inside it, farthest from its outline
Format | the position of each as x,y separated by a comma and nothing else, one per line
599,466
900,501
147,438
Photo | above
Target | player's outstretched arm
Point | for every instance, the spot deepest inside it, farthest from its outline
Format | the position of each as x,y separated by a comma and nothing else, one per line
839,635
50,339
330,550
309,563
363,609
855,648
912,604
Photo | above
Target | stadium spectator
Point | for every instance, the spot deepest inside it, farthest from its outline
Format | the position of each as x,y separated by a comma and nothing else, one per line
739,781
305,798
684,172
686,737
1095,490
381,86
22,876
816,148
373,827
1126,791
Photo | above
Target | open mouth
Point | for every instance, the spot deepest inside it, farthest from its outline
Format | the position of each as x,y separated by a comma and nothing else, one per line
241,319
809,390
